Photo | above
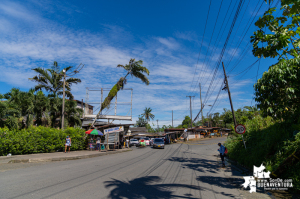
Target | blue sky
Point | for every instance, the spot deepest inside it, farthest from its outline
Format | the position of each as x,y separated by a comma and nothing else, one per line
166,35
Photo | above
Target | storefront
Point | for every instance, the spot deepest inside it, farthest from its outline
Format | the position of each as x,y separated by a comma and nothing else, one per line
113,136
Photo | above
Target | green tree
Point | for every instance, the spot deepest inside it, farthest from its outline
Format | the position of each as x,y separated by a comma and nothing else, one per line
135,69
42,108
10,114
278,91
51,80
278,36
147,114
23,102
141,122
186,123
72,114
227,117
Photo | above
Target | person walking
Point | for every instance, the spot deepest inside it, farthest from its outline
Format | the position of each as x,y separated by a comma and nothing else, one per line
127,141
98,142
67,144
221,133
222,153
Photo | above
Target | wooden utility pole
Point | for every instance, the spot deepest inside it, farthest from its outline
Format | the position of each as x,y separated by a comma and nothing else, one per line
82,108
227,87
201,103
172,118
191,110
63,105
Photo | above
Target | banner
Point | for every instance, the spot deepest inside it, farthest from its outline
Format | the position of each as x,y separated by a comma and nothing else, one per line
113,130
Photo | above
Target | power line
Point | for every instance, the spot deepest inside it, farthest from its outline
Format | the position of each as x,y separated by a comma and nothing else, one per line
217,41
201,42
224,47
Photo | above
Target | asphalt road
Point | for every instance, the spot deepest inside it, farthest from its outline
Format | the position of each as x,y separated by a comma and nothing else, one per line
179,171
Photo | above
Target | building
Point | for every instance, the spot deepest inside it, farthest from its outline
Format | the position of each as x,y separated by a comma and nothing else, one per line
88,109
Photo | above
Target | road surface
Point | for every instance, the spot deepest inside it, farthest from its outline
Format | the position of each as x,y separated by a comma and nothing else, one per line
190,170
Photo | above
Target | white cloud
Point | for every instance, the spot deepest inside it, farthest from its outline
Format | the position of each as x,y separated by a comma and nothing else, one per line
171,66
190,36
169,42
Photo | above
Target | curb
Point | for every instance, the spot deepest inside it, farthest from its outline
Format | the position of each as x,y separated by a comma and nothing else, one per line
64,158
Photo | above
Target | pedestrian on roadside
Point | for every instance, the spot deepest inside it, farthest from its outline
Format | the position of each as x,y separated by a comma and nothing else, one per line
222,153
98,142
67,144
127,141
221,133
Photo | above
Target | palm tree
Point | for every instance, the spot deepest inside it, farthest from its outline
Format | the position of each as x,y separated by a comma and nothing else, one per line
72,113
42,108
134,68
52,80
147,114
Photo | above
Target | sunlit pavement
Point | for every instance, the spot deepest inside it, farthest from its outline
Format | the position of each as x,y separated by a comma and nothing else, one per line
188,170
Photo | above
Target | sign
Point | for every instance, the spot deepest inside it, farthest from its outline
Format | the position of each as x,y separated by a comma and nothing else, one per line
240,129
113,130
262,179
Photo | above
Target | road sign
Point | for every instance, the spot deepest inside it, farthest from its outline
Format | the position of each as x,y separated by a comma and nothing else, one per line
240,129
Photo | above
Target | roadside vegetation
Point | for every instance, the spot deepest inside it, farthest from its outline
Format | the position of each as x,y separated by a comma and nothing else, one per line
39,140
273,137
23,109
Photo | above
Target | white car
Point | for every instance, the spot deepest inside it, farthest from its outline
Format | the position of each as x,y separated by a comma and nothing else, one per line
133,142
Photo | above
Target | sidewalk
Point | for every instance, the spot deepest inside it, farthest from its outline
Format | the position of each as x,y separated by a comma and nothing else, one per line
58,156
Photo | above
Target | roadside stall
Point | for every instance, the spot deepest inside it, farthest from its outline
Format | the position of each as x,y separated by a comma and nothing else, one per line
113,137
93,133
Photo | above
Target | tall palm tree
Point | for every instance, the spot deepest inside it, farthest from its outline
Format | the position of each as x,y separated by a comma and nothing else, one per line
42,108
52,80
147,114
72,113
135,69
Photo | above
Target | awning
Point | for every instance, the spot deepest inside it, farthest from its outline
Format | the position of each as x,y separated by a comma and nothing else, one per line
94,132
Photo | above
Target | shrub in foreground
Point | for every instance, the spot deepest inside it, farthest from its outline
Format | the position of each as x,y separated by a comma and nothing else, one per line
39,140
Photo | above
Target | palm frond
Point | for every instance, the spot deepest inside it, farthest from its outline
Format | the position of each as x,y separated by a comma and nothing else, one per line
42,73
141,77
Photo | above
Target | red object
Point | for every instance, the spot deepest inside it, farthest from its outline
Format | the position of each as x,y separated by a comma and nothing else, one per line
226,151
89,131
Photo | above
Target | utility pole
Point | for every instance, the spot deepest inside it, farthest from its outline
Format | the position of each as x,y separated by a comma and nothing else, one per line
157,126
63,105
227,88
191,110
201,103
172,118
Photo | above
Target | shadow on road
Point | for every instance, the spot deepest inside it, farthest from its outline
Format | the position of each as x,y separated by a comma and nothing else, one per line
199,164
222,182
145,187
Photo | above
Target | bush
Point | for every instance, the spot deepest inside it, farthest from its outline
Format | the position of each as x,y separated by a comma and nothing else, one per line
39,140
269,142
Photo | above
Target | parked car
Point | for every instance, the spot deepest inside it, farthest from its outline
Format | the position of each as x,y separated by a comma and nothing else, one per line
133,142
146,140
158,143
